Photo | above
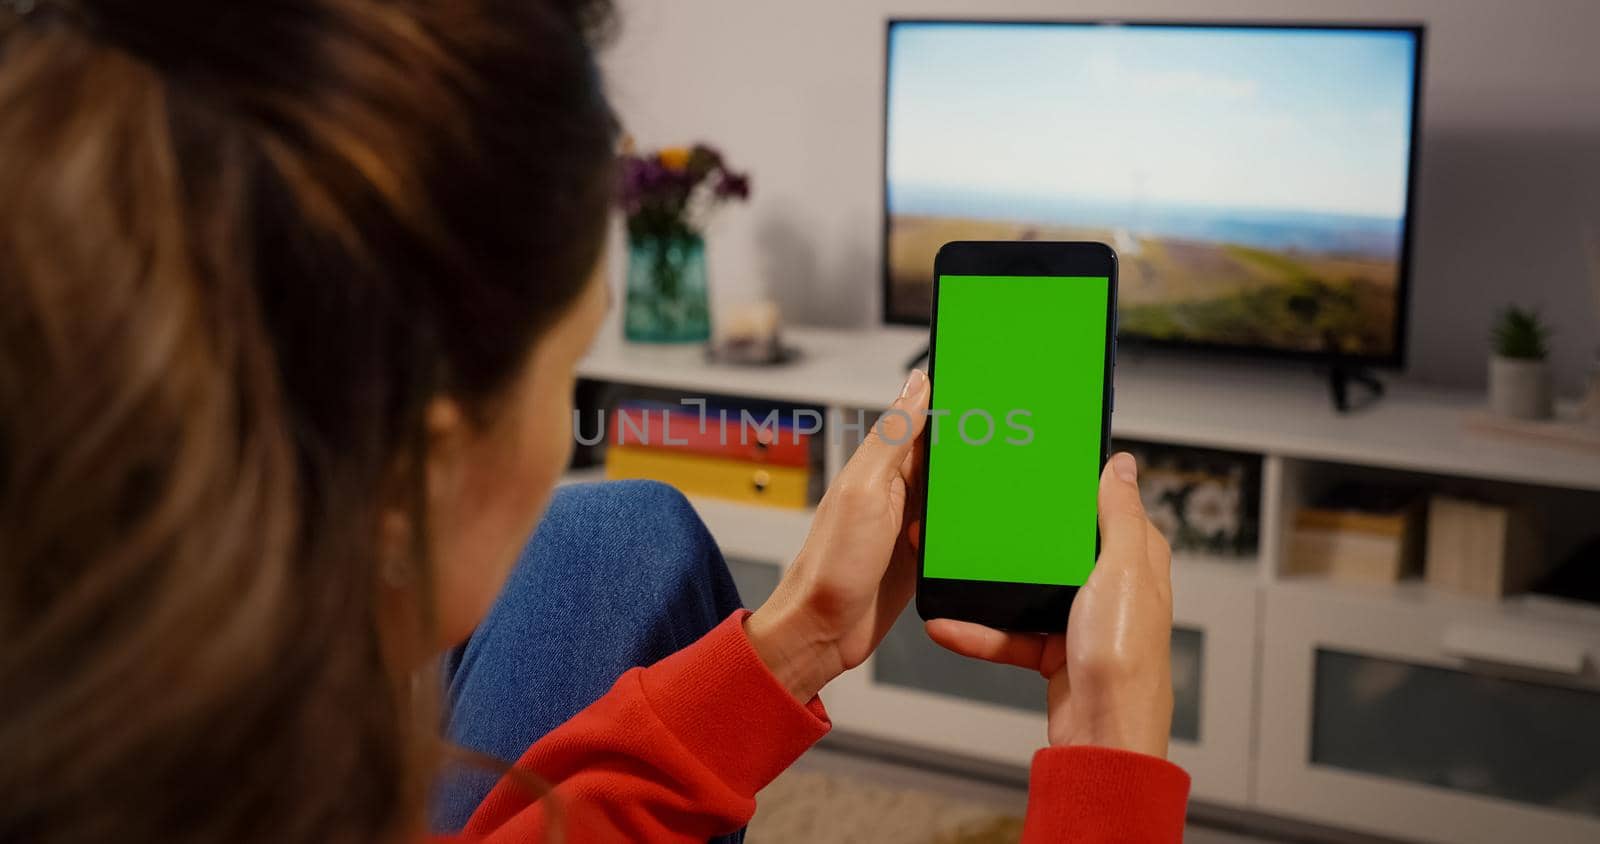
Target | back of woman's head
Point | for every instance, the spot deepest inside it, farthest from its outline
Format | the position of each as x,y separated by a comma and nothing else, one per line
242,246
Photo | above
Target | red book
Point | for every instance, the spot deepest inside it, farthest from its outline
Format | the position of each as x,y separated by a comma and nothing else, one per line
680,429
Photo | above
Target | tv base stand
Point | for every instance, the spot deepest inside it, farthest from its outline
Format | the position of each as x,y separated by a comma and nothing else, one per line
1342,375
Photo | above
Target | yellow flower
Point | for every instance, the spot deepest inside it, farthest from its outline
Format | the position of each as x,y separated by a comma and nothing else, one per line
674,158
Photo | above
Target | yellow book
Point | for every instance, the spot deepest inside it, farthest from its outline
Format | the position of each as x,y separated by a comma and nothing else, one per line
717,477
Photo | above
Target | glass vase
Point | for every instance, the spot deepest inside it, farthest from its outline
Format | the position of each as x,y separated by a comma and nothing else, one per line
667,300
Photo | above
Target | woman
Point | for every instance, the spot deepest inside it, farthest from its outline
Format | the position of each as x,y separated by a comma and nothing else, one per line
291,297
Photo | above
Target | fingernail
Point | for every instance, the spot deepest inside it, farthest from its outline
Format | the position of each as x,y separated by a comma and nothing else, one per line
913,383
1125,467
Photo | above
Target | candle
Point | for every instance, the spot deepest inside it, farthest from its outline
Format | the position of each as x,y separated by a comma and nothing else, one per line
751,324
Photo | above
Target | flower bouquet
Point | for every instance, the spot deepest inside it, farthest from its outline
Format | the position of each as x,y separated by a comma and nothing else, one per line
667,196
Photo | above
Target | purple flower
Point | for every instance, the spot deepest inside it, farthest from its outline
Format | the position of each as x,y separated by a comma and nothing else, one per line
664,193
733,186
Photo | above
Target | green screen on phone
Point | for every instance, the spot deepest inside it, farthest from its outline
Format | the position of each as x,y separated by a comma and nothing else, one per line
1014,464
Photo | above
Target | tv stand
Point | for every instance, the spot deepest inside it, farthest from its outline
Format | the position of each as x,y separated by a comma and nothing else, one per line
1254,631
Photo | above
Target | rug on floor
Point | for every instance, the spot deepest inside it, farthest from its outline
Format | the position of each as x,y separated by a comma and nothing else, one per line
809,806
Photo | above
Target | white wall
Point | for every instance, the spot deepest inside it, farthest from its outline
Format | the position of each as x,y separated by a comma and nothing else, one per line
1510,171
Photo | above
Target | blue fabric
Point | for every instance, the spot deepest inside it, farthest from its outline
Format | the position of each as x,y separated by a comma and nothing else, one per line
617,575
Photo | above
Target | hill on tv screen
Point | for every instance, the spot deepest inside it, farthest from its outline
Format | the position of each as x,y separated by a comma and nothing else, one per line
1254,181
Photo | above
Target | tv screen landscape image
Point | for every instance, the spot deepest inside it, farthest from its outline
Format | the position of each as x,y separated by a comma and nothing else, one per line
1254,181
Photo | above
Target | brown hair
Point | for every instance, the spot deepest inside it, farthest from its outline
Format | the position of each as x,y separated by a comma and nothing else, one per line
243,245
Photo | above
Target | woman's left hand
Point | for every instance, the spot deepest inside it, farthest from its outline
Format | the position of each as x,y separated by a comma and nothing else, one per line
858,567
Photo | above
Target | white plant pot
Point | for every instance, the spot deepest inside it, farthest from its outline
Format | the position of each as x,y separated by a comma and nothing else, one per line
1520,389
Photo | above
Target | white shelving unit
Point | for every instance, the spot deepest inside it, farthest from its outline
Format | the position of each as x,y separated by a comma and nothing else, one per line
1509,656
1266,643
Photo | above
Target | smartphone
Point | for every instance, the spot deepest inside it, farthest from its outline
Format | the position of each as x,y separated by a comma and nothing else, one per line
1021,354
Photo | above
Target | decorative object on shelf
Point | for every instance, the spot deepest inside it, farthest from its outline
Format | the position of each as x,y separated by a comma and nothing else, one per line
1481,549
1358,533
1201,500
1519,374
666,196
750,335
1566,430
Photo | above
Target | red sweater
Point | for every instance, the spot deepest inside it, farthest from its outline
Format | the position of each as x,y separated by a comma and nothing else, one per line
677,752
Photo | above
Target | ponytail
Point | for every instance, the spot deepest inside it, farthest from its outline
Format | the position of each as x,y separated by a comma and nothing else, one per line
243,245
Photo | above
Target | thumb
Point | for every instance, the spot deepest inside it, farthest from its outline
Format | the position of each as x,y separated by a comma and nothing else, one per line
892,436
1122,518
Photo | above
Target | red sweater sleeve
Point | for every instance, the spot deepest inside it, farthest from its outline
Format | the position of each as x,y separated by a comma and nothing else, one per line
677,752
674,752
1090,795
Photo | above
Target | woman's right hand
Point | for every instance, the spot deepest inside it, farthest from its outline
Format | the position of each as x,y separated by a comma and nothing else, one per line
1110,674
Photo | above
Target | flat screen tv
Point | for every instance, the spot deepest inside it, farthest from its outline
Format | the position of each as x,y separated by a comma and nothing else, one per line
1256,180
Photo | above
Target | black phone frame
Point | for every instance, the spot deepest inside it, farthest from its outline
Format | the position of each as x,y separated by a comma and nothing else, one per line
1023,607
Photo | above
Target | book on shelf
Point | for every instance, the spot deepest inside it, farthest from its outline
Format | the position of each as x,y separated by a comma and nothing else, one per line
659,425
1358,534
716,477
723,453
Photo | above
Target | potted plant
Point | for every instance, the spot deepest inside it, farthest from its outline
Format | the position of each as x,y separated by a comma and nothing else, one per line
1519,376
666,196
